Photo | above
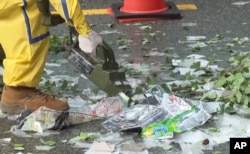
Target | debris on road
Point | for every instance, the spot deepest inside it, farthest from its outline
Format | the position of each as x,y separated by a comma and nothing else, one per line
45,118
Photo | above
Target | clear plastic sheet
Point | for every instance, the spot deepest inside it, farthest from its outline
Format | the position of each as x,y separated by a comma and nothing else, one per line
135,118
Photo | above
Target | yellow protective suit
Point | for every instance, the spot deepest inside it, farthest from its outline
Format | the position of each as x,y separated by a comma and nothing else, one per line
26,41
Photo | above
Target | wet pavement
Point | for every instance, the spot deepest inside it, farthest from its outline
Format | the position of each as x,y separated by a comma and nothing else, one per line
228,18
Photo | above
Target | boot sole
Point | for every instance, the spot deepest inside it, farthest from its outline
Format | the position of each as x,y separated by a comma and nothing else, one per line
11,109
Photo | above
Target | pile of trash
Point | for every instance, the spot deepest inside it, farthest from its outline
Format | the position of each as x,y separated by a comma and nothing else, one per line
157,115
165,114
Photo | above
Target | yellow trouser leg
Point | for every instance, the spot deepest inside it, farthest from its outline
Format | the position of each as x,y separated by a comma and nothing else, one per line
25,42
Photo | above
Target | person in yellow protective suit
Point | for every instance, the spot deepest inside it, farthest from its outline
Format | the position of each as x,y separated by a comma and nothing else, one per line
25,42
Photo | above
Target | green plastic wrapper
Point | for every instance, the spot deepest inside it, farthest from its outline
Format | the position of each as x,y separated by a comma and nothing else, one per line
179,123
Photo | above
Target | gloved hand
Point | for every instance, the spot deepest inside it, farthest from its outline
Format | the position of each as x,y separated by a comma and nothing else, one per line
89,43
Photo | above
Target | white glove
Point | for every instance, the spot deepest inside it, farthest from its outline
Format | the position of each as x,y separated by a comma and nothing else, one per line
89,43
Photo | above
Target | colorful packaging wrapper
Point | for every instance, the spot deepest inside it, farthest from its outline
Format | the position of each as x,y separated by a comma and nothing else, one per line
174,105
184,121
45,118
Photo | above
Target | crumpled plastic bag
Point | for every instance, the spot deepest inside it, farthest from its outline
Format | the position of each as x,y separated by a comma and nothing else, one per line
48,119
184,121
134,118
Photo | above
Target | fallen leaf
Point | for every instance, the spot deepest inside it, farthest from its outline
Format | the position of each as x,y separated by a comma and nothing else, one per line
48,143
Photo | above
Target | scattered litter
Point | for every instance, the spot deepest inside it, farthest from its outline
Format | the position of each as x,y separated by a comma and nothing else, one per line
242,110
174,105
38,121
210,107
184,71
83,76
133,147
189,24
48,143
2,114
111,137
107,107
12,117
19,132
229,126
197,45
44,147
53,64
1,70
45,133
48,72
184,121
193,64
5,140
141,67
134,82
78,104
156,53
45,118
145,27
109,32
19,147
135,118
94,95
84,137
101,148
59,78
83,145
180,83
159,115
187,148
240,3
189,61
129,152
156,91
196,56
196,38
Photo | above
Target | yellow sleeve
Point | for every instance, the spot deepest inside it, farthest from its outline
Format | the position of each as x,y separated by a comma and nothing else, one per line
71,11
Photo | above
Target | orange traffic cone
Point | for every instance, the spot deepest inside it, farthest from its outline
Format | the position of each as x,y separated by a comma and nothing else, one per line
140,10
